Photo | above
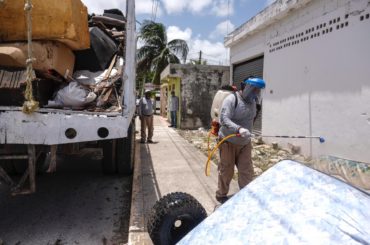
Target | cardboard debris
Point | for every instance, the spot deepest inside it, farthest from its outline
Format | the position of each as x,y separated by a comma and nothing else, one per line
48,55
64,21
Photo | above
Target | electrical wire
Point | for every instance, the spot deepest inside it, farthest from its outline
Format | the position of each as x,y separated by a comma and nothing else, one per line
227,29
155,4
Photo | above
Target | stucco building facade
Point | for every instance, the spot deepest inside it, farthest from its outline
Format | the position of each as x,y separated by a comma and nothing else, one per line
195,85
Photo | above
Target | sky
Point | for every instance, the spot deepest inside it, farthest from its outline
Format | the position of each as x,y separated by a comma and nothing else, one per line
203,24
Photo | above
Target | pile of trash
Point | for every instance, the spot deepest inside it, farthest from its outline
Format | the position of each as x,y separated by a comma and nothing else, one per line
264,155
78,58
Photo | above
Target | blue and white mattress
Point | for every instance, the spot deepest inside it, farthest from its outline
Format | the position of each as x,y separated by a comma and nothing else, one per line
289,204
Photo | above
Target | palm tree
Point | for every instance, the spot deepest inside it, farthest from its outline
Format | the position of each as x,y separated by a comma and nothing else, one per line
157,53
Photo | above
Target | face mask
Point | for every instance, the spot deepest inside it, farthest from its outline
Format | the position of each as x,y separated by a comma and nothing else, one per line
249,94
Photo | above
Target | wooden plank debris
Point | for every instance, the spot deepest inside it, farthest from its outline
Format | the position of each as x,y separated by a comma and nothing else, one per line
12,79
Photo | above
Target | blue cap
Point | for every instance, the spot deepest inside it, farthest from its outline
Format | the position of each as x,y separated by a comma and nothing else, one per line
255,82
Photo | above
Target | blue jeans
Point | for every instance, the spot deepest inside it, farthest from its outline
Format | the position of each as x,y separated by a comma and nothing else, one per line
173,118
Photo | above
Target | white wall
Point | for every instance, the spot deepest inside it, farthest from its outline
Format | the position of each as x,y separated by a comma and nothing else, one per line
256,47
320,86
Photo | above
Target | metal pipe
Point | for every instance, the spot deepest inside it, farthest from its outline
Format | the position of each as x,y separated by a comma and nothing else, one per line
32,167
17,157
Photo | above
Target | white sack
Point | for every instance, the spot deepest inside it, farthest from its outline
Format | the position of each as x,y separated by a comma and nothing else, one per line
73,95
92,78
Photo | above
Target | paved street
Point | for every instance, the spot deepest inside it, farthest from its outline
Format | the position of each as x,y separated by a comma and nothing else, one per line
76,205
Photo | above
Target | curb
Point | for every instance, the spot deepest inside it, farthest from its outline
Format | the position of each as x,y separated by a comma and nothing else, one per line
137,234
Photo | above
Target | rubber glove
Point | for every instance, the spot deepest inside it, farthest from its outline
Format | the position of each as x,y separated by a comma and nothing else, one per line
244,133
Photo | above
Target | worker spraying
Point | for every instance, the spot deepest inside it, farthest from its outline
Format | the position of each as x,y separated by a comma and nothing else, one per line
237,114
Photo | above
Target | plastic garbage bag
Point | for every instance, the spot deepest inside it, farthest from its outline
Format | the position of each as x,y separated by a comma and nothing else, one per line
73,95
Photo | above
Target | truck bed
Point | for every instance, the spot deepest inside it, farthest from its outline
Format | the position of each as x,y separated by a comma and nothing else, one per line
56,126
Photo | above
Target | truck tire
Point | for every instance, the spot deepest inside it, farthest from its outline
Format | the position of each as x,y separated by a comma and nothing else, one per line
125,152
109,156
173,216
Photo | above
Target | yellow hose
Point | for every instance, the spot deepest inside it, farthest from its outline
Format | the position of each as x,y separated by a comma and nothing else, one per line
209,136
208,164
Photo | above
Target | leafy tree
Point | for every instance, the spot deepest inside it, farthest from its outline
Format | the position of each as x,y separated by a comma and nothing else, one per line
157,53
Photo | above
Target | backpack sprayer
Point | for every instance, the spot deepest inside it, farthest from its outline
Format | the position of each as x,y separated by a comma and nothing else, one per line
215,126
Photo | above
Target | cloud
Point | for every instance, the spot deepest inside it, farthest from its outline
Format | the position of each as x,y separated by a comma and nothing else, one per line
198,5
222,29
98,6
141,6
172,6
214,52
144,6
223,8
219,8
174,32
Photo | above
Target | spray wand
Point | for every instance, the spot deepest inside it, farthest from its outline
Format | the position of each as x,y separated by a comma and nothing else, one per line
210,153
321,139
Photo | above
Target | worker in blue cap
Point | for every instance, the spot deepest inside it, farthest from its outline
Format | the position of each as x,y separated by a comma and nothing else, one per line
238,112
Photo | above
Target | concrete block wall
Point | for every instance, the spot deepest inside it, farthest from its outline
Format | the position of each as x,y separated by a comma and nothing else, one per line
199,84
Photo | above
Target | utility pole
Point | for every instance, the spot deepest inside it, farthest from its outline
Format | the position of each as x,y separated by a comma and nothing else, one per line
200,57
129,75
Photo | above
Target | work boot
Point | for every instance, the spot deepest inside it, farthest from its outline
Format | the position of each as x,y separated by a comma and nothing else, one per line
150,141
142,141
222,199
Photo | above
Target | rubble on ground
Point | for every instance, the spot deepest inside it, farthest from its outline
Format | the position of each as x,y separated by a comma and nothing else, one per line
264,155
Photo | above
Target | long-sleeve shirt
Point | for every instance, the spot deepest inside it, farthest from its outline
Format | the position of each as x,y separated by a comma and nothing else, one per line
145,107
174,103
233,118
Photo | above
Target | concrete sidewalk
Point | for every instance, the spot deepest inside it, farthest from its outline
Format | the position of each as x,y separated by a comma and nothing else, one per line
171,164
